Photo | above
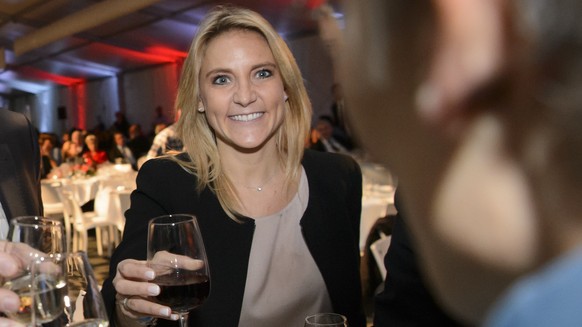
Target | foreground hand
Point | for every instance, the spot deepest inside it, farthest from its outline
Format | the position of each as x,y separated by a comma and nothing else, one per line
134,291
10,266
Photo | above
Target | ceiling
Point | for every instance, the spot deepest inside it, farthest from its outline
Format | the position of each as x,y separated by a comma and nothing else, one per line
64,42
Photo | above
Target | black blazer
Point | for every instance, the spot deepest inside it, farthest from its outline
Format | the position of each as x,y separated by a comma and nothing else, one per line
19,166
406,300
330,227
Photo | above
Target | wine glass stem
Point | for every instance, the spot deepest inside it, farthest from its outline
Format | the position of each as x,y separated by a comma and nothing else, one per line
184,319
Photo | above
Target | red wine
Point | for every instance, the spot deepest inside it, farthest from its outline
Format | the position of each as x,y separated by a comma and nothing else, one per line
182,290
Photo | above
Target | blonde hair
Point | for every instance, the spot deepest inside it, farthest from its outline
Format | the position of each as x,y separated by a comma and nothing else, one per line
198,137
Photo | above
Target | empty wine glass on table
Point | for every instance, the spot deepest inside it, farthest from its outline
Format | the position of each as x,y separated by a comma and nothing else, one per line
83,303
40,244
176,254
326,319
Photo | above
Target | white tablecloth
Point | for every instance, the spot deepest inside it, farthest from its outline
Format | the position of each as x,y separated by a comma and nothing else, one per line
377,197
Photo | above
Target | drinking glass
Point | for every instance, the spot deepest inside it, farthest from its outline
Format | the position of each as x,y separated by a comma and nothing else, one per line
83,304
176,254
39,243
326,319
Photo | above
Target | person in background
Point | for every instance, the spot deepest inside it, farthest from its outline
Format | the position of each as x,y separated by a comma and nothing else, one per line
160,116
476,106
73,148
138,142
120,151
340,122
166,141
280,223
323,139
93,154
47,162
120,124
19,191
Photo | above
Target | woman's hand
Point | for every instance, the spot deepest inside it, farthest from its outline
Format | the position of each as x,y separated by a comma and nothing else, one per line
134,292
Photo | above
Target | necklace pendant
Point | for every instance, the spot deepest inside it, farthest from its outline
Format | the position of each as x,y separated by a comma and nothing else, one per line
259,189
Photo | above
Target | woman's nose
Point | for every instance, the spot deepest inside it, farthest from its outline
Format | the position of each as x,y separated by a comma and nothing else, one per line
244,94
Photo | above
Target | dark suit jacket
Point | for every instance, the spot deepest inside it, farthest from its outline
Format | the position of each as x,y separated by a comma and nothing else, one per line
19,166
330,227
406,300
115,153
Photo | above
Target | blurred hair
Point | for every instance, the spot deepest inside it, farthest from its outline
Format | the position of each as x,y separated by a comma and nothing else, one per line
193,128
547,99
43,137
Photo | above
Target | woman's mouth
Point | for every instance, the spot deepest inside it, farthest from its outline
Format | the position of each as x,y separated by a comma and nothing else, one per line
248,117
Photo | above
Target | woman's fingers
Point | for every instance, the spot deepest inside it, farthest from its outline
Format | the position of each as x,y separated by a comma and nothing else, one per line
172,260
128,288
134,289
132,279
136,307
135,270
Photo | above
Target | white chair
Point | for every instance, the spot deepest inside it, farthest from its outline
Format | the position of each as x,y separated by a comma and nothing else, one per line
372,209
83,221
379,249
51,200
54,207
112,203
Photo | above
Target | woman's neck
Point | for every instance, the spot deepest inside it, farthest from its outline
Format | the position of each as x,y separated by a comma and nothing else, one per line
251,168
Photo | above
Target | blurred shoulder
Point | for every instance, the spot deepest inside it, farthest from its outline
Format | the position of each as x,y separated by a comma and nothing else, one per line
12,119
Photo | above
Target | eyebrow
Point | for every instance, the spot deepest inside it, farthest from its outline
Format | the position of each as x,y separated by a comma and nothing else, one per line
220,70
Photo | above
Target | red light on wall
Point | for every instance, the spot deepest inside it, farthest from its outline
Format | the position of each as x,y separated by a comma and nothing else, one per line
79,91
167,52
43,75
312,4
135,55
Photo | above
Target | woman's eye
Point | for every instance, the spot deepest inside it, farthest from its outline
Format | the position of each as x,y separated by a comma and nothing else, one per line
220,80
264,73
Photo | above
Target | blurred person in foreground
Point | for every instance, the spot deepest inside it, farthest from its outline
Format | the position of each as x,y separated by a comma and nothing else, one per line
280,223
19,191
476,106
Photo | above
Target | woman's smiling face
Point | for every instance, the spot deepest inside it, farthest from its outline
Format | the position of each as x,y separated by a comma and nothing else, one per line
242,90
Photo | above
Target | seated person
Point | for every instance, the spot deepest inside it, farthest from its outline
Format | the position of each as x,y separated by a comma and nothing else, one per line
119,152
92,154
47,163
323,138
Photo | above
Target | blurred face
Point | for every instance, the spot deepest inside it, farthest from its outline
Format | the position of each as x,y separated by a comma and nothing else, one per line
119,139
91,144
324,128
241,90
47,146
76,137
465,198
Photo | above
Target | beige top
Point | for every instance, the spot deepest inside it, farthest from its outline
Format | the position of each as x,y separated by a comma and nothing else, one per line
283,283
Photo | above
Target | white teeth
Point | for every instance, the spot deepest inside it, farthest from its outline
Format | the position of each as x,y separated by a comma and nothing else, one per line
248,117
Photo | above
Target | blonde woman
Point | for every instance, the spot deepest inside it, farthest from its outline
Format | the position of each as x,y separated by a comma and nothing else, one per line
280,225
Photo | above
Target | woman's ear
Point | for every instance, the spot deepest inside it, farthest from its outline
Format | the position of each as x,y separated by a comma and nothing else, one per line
468,55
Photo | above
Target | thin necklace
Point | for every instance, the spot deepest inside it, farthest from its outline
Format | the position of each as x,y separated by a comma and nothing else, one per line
262,186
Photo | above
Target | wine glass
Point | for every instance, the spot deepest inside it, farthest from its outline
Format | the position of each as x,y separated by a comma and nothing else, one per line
39,244
176,254
326,319
83,303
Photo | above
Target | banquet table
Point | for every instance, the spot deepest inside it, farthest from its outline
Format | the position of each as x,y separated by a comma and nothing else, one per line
109,187
378,190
